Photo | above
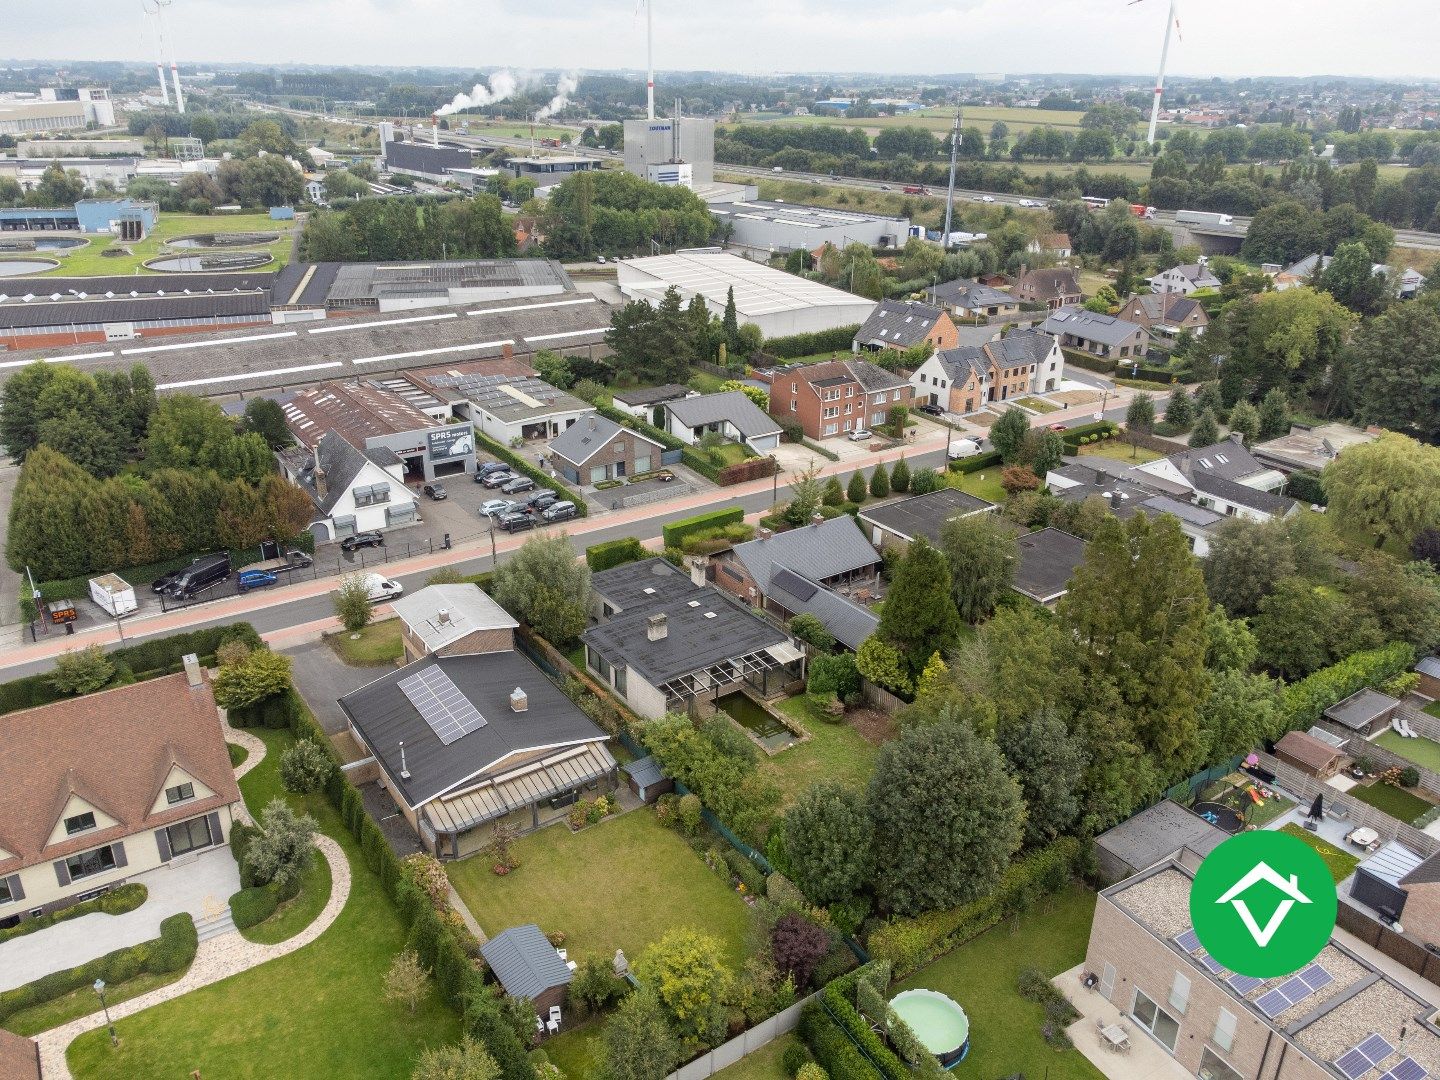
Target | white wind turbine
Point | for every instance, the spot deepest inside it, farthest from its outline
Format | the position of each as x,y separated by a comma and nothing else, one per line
1171,23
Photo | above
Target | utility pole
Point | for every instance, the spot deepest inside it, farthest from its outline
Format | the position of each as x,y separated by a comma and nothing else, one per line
950,191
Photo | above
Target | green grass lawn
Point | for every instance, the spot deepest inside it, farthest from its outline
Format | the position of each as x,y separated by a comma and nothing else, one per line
1422,751
1276,806
577,1051
729,453
763,1064
294,915
1433,708
1120,450
89,262
317,1012
378,644
1395,801
1039,405
1005,1028
238,754
82,1002
1341,863
619,884
983,485
834,752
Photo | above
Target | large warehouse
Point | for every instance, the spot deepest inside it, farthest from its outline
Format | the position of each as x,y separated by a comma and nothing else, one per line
768,227
779,303
347,287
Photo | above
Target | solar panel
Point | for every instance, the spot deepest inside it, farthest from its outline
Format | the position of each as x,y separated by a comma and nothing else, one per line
1315,978
1407,1069
1244,984
1356,1062
441,704
1375,1047
1273,1003
1189,941
1294,990
1215,967
1353,1064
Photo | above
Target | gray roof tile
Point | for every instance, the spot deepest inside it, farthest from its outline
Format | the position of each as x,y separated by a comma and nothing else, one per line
1092,326
525,962
848,621
899,323
924,515
820,551
583,439
732,405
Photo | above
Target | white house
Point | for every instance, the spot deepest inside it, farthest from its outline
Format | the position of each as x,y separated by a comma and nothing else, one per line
730,414
1185,279
352,490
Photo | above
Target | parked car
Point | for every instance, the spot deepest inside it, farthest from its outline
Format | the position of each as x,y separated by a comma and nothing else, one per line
516,522
496,507
380,588
362,540
497,479
436,491
859,435
963,448
202,574
489,467
539,500
164,582
931,409
559,511
256,579
517,484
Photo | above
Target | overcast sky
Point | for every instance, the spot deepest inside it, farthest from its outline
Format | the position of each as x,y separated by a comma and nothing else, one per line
1218,37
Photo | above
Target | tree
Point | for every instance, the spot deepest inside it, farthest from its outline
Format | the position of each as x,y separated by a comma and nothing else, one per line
1049,764
1104,301
1139,421
828,837
1351,279
1240,712
264,417
1180,411
1247,558
797,946
919,619
1389,488
1042,451
80,671
1299,628
730,323
1426,547
1282,232
260,676
353,605
806,495
881,663
834,494
465,1060
1245,422
1274,414
546,586
856,490
1008,433
754,393
281,852
980,552
1404,598
686,971
880,482
900,477
809,629
639,1041
406,980
1206,431
1399,352
951,816
305,767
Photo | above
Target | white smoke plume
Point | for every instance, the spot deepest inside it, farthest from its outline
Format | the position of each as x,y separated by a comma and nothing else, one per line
568,84
503,85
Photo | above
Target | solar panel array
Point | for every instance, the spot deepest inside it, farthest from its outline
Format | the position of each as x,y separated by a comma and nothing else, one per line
1356,1062
1189,941
1294,990
1407,1069
1244,984
1214,966
441,704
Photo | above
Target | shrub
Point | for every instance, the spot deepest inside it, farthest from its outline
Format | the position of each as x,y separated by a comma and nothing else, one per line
1018,478
305,768
252,906
687,813
1409,776
81,671
615,553
176,946
117,901
795,1058
811,1071
284,847
746,871
837,339
798,945
676,532
972,464
809,629
1306,487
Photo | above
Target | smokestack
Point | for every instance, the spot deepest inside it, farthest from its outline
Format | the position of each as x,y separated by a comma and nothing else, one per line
649,60
179,97
435,132
698,576
159,33
657,627
816,520
518,700
192,669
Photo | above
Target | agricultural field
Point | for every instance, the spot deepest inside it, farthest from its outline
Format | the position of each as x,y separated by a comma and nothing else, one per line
939,119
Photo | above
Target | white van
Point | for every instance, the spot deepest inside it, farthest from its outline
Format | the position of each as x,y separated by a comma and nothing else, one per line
963,448
380,589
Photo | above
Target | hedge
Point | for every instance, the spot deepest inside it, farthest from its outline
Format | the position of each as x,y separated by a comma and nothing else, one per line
746,871
519,464
839,339
911,943
1088,362
855,1029
172,951
252,906
614,553
976,463
1305,701
817,448
1305,486
831,1047
744,471
115,902
677,531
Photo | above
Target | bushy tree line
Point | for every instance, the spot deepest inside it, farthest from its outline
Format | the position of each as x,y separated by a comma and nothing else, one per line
613,211
405,228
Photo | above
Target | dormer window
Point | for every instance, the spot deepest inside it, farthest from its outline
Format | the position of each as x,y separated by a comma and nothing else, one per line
179,793
79,823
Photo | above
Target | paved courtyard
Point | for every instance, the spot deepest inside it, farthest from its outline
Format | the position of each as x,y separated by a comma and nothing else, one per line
202,886
323,679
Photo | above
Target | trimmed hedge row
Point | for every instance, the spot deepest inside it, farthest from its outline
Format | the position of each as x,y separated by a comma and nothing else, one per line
834,1051
1306,486
744,471
1305,701
911,943
520,465
677,531
787,348
614,553
976,463
855,1030
115,902
172,951
1088,362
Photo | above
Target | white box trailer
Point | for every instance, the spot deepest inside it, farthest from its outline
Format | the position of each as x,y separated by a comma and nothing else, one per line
114,594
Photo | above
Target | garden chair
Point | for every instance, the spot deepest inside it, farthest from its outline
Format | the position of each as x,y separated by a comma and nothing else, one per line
554,1023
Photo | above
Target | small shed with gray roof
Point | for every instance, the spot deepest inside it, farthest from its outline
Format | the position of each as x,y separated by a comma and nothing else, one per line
646,778
1364,712
1152,836
731,415
1429,671
527,966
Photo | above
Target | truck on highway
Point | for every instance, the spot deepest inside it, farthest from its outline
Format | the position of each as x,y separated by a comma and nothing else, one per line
114,594
1202,217
1139,211
915,189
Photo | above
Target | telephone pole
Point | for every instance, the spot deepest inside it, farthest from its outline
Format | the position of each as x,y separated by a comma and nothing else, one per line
950,191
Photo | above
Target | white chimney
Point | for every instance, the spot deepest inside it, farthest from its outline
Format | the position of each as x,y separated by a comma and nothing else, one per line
193,674
657,627
443,616
697,571
519,702
404,769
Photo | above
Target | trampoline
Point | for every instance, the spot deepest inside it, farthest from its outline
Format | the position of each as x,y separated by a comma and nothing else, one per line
940,1024
1221,816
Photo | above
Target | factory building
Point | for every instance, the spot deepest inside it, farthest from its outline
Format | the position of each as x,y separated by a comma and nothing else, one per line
768,227
679,150
331,288
128,219
94,101
550,170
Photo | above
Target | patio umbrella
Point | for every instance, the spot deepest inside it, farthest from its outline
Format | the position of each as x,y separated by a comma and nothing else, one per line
1317,808
1252,759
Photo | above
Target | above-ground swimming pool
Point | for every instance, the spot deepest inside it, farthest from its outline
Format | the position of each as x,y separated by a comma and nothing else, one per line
939,1023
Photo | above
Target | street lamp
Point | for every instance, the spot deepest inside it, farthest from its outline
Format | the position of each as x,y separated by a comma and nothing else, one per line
774,482
99,989
494,559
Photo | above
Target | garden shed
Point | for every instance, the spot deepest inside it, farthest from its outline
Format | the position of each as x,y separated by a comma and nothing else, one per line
1309,754
528,966
646,780
1365,711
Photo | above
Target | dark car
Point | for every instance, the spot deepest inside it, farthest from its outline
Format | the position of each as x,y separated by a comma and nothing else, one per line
488,468
362,540
497,479
202,574
517,484
931,409
539,500
435,491
165,582
255,579
516,522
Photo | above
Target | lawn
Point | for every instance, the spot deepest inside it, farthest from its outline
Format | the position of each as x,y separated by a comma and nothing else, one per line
238,754
1395,801
619,884
763,1064
378,644
1039,405
317,1012
1005,1035
1120,450
1262,814
89,262
1433,708
834,752
730,453
1422,751
983,485
294,915
82,1002
1340,863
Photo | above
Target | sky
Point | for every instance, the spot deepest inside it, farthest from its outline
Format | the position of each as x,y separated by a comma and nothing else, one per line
1229,38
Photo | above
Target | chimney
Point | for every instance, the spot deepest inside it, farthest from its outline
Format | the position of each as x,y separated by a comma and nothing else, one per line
518,701
656,628
443,616
1236,437
1099,477
322,482
698,576
193,675
1115,499
507,351
404,769
763,533
591,419
816,519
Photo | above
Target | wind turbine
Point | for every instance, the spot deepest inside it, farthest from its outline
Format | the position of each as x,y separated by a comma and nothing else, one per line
152,20
1171,23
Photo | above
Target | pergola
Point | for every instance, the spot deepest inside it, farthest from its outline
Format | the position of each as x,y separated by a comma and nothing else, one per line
753,667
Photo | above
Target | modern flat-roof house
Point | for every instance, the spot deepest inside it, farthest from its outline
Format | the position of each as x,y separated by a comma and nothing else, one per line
1099,335
598,449
453,620
647,402
964,379
461,742
1165,314
97,789
896,324
641,584
1045,561
352,490
1165,831
504,399
836,397
1310,448
667,655
896,524
527,966
1184,279
1055,287
967,299
1340,1018
730,414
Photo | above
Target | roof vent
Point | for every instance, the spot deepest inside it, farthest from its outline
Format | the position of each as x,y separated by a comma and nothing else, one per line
404,769
519,702
657,627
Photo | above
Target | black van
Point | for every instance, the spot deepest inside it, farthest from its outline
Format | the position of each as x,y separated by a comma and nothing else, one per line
200,575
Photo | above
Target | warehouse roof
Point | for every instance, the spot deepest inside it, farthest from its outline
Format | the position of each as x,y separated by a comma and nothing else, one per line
362,284
798,215
508,398
759,289
92,310
359,411
122,285
732,406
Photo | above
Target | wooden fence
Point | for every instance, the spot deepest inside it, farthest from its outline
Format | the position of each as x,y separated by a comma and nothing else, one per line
877,697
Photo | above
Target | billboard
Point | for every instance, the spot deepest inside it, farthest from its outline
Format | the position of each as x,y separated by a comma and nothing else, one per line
449,443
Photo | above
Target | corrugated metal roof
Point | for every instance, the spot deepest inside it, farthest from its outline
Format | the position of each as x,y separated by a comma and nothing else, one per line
524,962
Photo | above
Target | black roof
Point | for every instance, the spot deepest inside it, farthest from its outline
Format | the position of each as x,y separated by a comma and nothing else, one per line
923,515
1045,561
1162,830
1361,709
133,309
122,285
428,159
641,584
653,395
304,284
1254,498
385,717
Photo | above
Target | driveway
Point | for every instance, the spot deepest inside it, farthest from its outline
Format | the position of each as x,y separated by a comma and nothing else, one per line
202,886
323,678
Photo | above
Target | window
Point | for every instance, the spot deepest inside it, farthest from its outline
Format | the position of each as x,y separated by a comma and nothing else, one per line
597,473
849,391
877,419
1180,993
1156,1020
830,429
179,793
5,894
879,398
922,379
642,464
1212,1067
620,681
189,835
848,407
90,863
1224,1036
79,823
830,411
372,494
794,406
895,394
794,388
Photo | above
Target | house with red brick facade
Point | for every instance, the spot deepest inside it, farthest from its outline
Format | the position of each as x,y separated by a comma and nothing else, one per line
453,620
964,380
836,397
596,449
1165,314
903,325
